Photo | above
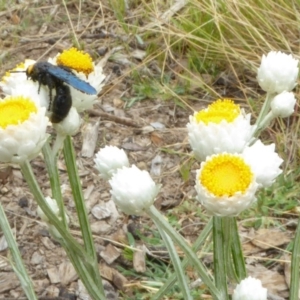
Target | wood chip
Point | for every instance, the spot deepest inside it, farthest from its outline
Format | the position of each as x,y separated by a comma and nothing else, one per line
100,227
112,275
47,243
67,273
36,258
272,280
100,212
8,281
110,254
52,291
139,259
3,243
270,238
53,275
5,173
119,280
40,285
90,137
156,166
114,214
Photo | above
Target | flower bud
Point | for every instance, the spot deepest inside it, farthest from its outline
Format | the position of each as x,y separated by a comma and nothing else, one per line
109,159
283,104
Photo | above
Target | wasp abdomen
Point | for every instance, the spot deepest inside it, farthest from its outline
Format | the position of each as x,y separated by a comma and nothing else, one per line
61,103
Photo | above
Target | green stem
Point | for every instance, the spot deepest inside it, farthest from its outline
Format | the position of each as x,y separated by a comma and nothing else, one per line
263,112
39,197
58,143
172,280
184,288
294,286
262,125
87,280
69,155
17,263
76,252
178,239
265,108
237,251
219,258
51,164
227,236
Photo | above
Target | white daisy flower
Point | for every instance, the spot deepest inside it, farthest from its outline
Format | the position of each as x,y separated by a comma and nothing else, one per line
222,127
84,68
225,184
17,84
22,129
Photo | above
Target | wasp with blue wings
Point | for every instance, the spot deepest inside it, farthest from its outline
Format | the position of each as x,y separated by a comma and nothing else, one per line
55,77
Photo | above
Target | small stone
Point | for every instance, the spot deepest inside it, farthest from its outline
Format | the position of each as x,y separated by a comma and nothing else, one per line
100,212
23,202
100,227
52,291
36,258
82,292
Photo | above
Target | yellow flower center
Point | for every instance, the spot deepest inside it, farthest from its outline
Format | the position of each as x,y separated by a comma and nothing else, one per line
220,110
76,60
15,110
226,174
21,65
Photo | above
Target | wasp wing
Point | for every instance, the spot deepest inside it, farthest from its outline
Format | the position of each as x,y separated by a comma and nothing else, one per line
68,77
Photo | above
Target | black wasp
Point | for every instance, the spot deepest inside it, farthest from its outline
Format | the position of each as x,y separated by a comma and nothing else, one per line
55,77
